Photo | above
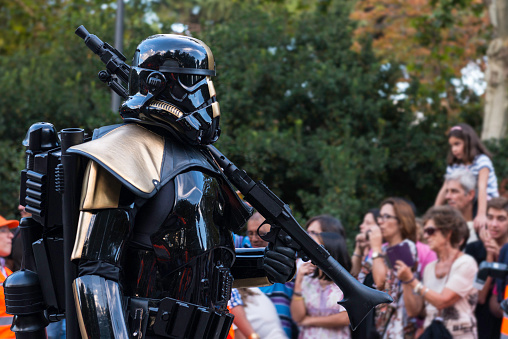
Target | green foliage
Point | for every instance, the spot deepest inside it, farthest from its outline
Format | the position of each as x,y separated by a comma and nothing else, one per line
48,74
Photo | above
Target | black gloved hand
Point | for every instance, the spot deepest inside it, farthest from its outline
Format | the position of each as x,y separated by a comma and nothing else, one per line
279,263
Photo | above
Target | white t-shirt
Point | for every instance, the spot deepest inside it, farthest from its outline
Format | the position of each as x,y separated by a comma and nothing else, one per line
263,316
472,233
480,161
459,318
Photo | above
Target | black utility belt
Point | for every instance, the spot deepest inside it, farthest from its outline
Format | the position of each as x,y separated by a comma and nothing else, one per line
171,318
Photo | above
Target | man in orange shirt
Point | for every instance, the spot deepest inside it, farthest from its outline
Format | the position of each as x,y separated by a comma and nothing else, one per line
5,249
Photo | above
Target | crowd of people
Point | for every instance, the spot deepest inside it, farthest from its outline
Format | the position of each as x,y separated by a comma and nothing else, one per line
428,264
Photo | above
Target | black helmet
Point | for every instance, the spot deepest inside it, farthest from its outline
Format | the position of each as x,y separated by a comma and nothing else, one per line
170,86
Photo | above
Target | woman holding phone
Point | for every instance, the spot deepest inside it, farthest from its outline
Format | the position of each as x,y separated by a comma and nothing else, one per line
446,290
396,233
360,268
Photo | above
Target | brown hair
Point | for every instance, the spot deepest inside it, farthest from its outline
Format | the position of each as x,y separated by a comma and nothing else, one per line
419,230
245,293
333,238
472,144
498,203
328,224
336,245
449,220
406,216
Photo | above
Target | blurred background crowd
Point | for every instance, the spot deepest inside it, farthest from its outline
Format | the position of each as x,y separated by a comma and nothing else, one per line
428,264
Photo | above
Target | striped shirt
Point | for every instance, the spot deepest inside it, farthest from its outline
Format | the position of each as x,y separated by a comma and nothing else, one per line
480,161
280,295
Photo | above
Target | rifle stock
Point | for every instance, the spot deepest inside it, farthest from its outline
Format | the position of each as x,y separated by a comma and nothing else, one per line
358,299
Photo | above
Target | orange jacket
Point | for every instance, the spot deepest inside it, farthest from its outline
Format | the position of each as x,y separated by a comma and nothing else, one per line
231,334
504,324
5,319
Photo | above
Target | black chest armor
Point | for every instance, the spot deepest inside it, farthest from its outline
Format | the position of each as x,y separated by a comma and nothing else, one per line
182,245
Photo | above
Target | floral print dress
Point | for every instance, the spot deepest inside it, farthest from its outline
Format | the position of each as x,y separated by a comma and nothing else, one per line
392,320
322,301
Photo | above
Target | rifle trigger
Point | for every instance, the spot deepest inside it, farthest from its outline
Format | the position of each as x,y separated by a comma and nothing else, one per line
271,236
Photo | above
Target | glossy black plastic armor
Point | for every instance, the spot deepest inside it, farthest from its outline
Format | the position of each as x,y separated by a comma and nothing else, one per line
171,241
101,308
97,289
107,236
179,245
170,86
188,255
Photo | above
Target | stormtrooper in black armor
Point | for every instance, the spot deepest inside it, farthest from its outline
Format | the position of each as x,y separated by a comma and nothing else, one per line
154,244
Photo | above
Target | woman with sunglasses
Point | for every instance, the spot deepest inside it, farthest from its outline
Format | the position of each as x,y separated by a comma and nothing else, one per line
446,290
396,226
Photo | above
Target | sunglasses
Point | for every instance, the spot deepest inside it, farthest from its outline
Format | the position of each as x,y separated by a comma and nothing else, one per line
430,230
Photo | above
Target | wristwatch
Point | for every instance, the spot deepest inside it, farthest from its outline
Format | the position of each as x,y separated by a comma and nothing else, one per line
376,255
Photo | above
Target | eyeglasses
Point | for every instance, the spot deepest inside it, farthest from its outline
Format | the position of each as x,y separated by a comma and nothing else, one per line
258,233
386,217
4,229
430,230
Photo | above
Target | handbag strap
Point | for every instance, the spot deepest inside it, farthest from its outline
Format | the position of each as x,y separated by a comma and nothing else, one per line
439,318
393,309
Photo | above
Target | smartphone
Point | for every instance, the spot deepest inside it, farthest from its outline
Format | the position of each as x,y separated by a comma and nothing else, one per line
400,252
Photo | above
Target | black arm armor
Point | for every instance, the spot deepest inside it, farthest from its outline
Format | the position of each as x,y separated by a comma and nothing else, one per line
248,268
96,290
100,312
103,231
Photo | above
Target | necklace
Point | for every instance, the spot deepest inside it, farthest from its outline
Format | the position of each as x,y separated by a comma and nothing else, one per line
443,267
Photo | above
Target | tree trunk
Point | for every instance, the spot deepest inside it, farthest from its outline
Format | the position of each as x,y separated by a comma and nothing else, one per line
495,118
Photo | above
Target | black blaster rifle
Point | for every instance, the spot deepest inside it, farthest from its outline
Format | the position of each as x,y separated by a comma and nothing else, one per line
359,299
116,68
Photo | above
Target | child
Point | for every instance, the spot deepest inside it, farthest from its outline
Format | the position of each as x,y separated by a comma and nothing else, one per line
467,151
314,303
